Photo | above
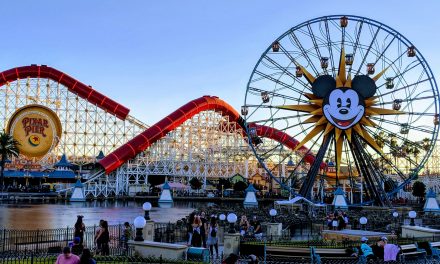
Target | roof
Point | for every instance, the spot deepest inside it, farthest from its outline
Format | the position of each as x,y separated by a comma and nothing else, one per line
431,194
100,155
63,162
250,188
339,191
78,184
57,174
166,186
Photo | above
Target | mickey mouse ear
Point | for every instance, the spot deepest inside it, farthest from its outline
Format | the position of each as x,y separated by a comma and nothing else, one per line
364,85
323,85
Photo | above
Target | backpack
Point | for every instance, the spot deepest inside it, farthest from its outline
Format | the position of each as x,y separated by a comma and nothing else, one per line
213,232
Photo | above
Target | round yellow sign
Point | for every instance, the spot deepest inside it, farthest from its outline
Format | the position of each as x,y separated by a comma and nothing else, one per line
36,128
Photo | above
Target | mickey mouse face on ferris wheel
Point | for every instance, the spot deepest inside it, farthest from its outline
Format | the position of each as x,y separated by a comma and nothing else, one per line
344,106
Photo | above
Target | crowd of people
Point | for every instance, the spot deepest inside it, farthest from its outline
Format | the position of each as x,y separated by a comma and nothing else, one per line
77,253
203,232
337,220
379,250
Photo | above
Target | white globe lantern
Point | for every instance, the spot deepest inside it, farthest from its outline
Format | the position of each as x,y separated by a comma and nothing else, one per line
412,214
363,221
139,223
395,214
222,217
272,214
232,218
147,207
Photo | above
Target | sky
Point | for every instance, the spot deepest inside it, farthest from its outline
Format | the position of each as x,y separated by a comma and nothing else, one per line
155,56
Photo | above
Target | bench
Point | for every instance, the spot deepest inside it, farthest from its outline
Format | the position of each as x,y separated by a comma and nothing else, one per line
410,251
428,248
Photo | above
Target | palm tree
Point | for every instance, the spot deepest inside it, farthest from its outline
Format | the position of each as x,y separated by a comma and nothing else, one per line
8,148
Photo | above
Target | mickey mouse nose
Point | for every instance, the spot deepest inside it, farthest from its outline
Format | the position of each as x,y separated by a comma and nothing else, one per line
343,111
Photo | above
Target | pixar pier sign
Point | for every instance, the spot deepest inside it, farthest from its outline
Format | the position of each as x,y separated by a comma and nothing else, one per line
36,128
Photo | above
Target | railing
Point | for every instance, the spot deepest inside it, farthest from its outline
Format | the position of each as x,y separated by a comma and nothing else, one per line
53,240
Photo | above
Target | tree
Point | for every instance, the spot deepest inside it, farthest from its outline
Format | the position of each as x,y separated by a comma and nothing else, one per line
419,189
195,183
390,185
8,149
240,186
223,183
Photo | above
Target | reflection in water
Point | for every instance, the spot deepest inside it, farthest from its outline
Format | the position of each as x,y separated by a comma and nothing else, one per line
58,215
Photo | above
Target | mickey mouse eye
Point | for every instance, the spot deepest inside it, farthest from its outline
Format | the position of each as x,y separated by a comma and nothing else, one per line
348,102
339,102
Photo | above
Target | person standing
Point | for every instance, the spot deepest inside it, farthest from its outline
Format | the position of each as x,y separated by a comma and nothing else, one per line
212,237
103,239
80,228
127,234
67,257
203,228
98,231
196,240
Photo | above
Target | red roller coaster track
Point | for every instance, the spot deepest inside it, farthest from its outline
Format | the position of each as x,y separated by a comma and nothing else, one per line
141,142
75,86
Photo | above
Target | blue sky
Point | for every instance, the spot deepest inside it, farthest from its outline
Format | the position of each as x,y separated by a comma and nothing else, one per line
154,56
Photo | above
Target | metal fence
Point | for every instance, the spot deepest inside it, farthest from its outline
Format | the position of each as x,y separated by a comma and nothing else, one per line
33,258
53,240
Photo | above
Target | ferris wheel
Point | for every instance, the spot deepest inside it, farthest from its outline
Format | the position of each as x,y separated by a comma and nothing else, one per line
354,93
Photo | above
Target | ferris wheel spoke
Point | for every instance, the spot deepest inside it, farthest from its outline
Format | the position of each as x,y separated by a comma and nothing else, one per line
407,100
312,37
404,87
286,71
303,52
368,50
400,74
278,95
356,44
329,46
417,128
280,118
282,84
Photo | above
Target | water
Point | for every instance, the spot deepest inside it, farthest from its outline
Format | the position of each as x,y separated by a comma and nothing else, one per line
34,216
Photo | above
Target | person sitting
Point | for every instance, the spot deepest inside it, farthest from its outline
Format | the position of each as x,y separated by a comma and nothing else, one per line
258,232
390,250
67,257
244,225
366,251
77,248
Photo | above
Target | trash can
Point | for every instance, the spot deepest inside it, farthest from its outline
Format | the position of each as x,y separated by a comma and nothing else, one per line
198,254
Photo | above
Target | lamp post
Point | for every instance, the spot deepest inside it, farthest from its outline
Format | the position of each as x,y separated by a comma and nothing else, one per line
222,218
147,207
232,218
272,214
412,215
363,221
139,224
